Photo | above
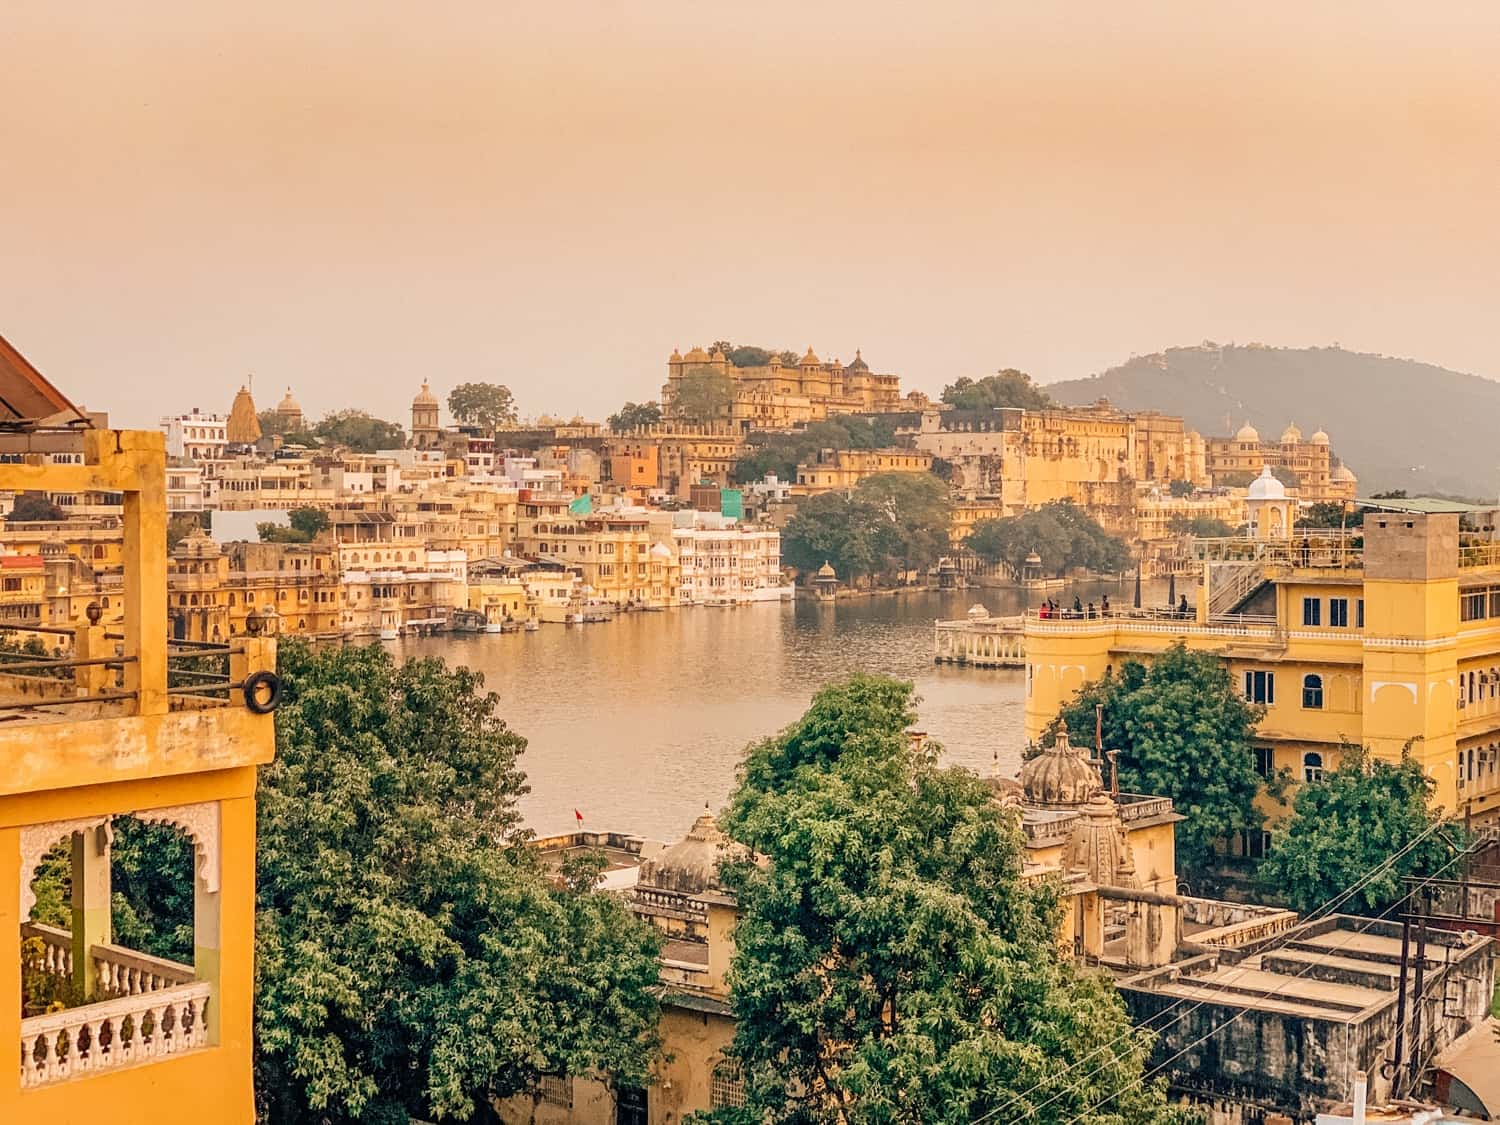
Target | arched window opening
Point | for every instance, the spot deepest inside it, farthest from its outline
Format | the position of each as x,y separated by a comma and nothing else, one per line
1312,692
1312,766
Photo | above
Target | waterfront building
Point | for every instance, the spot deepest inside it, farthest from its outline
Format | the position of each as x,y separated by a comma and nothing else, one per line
98,1031
1160,516
780,396
837,470
1231,459
683,453
723,562
196,436
1388,640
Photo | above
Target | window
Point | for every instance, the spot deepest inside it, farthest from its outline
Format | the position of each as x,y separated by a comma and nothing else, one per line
1312,611
1260,687
1312,692
1255,844
1359,614
727,1089
1312,766
1265,761
1473,607
1338,613
557,1090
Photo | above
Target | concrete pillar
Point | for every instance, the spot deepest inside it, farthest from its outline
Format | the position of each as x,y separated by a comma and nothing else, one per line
89,644
91,904
146,584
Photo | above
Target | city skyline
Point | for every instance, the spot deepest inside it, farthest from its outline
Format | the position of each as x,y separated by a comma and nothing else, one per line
345,201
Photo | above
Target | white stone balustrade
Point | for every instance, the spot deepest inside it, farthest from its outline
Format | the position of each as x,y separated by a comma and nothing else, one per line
56,958
125,972
133,1029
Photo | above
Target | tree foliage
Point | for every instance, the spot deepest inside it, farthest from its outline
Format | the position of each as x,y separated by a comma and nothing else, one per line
414,957
1201,527
635,415
486,405
1007,387
180,526
890,963
705,393
1348,825
1180,488
1182,731
33,507
1330,514
305,526
781,453
892,522
1063,535
360,431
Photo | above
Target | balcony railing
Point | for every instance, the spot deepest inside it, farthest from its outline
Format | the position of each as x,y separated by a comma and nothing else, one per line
151,1007
1325,550
1479,554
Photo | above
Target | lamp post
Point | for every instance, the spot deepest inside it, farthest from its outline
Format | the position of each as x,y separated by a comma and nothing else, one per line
1140,563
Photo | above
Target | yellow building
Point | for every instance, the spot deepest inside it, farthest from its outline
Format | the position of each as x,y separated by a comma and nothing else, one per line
781,395
100,1032
1378,641
833,470
1320,476
614,554
683,453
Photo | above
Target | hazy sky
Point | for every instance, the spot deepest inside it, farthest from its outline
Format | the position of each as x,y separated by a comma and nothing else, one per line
350,197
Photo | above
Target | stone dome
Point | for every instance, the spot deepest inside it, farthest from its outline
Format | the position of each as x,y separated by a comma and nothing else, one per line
1247,432
697,355
859,363
288,405
1097,845
661,551
1291,435
425,397
977,612
1060,775
691,866
826,571
1266,486
1320,437
675,357
810,359
1344,475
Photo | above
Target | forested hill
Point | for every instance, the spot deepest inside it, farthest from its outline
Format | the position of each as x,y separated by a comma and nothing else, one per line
1395,422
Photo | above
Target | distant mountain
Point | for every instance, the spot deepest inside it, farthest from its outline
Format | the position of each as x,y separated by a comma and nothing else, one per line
1395,422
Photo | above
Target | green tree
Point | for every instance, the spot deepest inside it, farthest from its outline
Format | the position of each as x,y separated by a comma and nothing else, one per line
704,394
1347,825
1182,731
747,355
486,405
1063,536
833,528
789,358
414,956
180,526
911,516
1330,514
1202,527
1180,488
359,431
1008,387
33,507
635,415
305,525
890,963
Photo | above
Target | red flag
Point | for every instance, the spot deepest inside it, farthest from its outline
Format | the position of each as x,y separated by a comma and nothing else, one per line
579,815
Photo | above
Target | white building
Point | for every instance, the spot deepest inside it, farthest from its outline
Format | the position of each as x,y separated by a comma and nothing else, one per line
196,436
185,491
723,562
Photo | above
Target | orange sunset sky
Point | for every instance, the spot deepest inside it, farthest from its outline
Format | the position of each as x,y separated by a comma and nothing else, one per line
349,197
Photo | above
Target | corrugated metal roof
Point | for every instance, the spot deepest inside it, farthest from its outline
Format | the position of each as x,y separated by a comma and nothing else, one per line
25,394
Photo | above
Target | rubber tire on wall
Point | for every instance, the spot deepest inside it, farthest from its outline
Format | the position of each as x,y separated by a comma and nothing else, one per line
253,683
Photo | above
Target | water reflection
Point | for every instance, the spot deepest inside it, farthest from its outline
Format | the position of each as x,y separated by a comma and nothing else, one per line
641,722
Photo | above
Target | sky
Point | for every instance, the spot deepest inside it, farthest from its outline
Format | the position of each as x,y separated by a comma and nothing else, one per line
351,197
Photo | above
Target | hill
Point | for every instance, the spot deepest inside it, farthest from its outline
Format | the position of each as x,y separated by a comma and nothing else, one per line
1395,422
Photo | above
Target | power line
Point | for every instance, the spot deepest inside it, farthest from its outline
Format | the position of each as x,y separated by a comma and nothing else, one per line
1206,1036
1328,906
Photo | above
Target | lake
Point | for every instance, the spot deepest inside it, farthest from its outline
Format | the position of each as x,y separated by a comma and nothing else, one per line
639,722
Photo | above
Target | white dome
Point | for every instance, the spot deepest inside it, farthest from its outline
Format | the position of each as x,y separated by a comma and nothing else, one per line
1291,435
1247,433
1320,437
1266,486
1344,474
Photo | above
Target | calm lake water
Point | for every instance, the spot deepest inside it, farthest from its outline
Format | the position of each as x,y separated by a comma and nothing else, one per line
640,722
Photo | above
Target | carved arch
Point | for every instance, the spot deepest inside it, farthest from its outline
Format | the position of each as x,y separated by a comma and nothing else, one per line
37,840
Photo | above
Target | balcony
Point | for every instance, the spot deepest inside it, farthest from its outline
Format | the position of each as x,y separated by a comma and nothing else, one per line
146,1008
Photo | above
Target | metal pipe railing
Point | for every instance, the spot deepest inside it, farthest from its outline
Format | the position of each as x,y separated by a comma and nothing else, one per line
36,704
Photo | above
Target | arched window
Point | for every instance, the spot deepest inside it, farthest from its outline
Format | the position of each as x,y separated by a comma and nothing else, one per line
98,552
1312,766
1312,692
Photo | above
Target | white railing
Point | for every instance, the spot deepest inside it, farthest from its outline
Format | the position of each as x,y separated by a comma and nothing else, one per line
1230,583
55,959
133,1029
125,972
